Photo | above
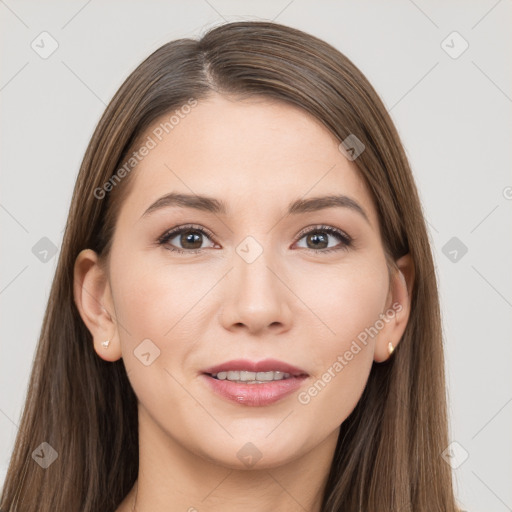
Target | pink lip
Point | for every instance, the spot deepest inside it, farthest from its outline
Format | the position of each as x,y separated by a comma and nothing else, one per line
267,365
255,394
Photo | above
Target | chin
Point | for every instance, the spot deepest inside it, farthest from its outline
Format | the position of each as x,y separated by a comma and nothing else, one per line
253,453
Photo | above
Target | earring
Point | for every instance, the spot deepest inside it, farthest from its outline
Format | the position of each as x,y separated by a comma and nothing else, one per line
390,348
106,343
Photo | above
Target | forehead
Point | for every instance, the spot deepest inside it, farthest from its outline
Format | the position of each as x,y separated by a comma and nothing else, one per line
251,152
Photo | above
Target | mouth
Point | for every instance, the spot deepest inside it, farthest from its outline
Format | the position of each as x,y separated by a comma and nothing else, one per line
254,383
247,377
250,372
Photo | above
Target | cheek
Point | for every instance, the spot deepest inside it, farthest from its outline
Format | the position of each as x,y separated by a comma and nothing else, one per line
144,304
349,305
157,308
155,300
345,301
168,305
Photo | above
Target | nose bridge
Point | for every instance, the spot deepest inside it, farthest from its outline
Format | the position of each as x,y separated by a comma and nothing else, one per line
253,260
257,297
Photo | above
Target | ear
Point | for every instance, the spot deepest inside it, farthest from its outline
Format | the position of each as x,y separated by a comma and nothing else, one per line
93,299
398,307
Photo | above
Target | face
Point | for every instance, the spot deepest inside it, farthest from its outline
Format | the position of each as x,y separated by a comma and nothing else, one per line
247,279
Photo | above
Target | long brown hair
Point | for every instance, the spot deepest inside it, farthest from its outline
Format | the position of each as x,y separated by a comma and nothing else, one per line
388,452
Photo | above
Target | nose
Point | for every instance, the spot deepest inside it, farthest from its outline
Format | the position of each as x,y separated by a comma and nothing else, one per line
256,296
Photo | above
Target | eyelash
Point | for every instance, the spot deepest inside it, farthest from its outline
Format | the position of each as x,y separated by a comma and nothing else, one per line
346,240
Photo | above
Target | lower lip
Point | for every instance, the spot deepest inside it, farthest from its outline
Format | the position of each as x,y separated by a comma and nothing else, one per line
254,394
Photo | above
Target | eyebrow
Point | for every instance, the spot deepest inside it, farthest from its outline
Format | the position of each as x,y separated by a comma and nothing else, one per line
212,205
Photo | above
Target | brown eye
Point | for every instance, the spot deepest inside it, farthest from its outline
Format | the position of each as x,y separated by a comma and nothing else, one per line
189,239
184,239
317,239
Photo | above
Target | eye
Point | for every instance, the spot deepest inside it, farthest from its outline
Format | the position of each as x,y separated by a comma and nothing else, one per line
317,239
190,236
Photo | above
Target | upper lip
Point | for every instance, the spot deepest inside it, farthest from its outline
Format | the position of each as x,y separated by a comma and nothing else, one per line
266,365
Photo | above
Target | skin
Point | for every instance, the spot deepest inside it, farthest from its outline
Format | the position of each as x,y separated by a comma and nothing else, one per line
291,304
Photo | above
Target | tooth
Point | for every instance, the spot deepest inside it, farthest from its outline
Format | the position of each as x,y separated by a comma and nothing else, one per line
251,377
265,376
245,376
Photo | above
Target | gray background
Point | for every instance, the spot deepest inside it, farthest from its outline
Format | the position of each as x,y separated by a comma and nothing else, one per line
453,113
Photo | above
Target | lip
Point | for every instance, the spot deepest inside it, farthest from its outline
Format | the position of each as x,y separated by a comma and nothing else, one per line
266,365
255,395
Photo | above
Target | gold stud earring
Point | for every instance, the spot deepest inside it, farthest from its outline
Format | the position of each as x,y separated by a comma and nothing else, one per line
390,348
106,343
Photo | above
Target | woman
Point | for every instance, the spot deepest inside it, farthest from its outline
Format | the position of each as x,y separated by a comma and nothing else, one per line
245,312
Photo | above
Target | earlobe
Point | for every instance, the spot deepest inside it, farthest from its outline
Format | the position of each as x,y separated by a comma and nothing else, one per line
93,299
398,312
